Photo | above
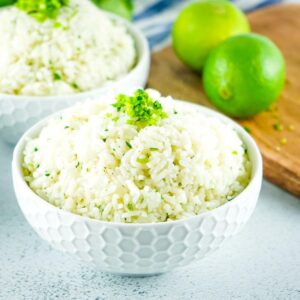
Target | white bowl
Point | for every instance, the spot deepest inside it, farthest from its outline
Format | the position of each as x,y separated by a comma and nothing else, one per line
18,113
138,249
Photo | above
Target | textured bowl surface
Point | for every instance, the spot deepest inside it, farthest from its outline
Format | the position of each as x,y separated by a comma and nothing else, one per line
138,249
18,113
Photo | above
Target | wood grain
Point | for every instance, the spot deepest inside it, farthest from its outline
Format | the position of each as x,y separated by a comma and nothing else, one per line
281,23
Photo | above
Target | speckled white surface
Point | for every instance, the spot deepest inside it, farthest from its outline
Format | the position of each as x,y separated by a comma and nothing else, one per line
262,262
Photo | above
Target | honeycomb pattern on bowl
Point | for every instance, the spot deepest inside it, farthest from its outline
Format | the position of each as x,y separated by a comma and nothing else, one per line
137,248
17,115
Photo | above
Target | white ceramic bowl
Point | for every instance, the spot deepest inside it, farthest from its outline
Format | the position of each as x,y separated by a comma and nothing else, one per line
138,249
18,113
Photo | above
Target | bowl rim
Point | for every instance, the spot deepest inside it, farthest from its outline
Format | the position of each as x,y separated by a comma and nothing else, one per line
143,56
256,169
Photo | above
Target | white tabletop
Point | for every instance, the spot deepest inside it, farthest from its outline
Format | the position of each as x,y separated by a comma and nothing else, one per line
262,262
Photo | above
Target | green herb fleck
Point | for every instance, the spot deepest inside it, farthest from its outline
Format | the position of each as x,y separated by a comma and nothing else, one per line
35,149
128,145
104,140
234,152
57,25
31,166
56,76
75,86
277,126
153,149
78,163
47,174
42,10
143,160
247,129
66,127
141,109
175,112
115,119
130,206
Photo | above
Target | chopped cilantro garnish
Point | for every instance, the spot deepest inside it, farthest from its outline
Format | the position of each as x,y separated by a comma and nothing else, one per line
115,119
130,206
56,76
128,144
66,127
175,112
104,140
42,9
234,152
35,149
153,149
75,86
277,126
143,160
47,174
247,129
57,25
141,109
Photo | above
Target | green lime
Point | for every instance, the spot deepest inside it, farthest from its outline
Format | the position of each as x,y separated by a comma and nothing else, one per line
7,2
202,26
244,75
123,8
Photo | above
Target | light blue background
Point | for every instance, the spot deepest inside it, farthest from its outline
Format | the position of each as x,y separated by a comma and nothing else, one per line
155,17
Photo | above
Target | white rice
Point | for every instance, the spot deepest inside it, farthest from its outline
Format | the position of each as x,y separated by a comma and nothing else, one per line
82,50
82,162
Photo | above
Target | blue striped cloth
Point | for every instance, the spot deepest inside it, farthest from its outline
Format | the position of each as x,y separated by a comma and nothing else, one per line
155,17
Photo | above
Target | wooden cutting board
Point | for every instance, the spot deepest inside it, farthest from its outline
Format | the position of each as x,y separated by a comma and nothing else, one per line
281,23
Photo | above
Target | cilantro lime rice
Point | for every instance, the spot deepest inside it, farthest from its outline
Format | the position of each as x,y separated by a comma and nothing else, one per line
70,48
136,158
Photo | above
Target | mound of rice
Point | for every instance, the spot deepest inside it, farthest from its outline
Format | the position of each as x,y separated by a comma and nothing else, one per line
81,50
91,162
